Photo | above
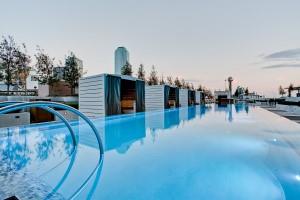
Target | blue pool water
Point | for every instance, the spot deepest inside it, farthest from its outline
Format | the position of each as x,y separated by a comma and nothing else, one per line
203,152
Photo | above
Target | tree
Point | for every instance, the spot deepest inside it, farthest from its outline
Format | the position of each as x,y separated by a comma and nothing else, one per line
183,83
127,69
170,80
1,72
290,89
153,80
207,93
177,82
162,80
8,60
188,85
247,91
44,67
192,86
281,91
23,68
72,71
141,74
239,91
200,88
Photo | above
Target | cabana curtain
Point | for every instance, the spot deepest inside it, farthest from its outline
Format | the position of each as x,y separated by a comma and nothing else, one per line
112,95
191,97
140,96
167,93
177,96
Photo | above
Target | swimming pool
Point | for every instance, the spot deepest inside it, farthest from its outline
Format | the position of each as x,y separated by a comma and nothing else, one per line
201,152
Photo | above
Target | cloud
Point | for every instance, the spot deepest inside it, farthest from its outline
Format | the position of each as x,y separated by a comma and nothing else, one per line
281,66
290,54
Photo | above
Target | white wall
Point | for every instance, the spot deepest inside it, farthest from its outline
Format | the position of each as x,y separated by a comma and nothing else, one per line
67,115
91,96
43,90
198,97
31,82
154,97
183,97
14,119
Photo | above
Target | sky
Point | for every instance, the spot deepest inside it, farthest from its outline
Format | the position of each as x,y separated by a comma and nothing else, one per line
256,42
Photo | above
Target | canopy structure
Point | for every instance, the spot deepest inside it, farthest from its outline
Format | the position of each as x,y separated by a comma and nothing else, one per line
183,97
192,97
107,94
198,97
159,97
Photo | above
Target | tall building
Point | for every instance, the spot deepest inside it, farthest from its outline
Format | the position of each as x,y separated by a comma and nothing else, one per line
121,57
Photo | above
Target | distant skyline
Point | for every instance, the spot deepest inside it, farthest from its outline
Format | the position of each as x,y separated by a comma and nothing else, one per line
256,42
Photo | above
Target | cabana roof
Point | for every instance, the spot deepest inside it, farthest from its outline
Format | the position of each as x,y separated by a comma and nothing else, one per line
171,86
124,77
294,88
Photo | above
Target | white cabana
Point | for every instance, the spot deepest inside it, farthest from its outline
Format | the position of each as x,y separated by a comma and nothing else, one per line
159,97
106,94
183,97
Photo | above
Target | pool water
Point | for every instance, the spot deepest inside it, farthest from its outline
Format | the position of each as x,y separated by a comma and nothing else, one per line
202,152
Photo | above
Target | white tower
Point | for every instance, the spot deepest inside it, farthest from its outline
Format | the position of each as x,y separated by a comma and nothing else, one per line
121,58
230,79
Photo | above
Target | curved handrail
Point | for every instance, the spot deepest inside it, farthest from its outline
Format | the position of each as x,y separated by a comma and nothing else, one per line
42,104
19,106
60,116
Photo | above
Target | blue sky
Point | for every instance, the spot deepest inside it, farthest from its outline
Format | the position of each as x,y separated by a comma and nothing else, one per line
256,42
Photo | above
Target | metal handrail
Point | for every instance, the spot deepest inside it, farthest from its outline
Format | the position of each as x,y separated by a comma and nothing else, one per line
49,105
19,106
19,93
60,116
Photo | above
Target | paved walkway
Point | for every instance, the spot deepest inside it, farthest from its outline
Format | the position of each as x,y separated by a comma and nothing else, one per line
289,112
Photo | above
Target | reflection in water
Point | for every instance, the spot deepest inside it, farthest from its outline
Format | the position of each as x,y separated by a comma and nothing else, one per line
15,154
191,113
121,137
118,134
228,109
240,107
170,118
29,154
204,109
44,146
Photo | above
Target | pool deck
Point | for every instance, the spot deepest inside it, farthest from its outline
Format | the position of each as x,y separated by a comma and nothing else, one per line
291,114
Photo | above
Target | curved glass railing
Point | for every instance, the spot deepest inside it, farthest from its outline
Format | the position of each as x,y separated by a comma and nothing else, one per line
6,107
